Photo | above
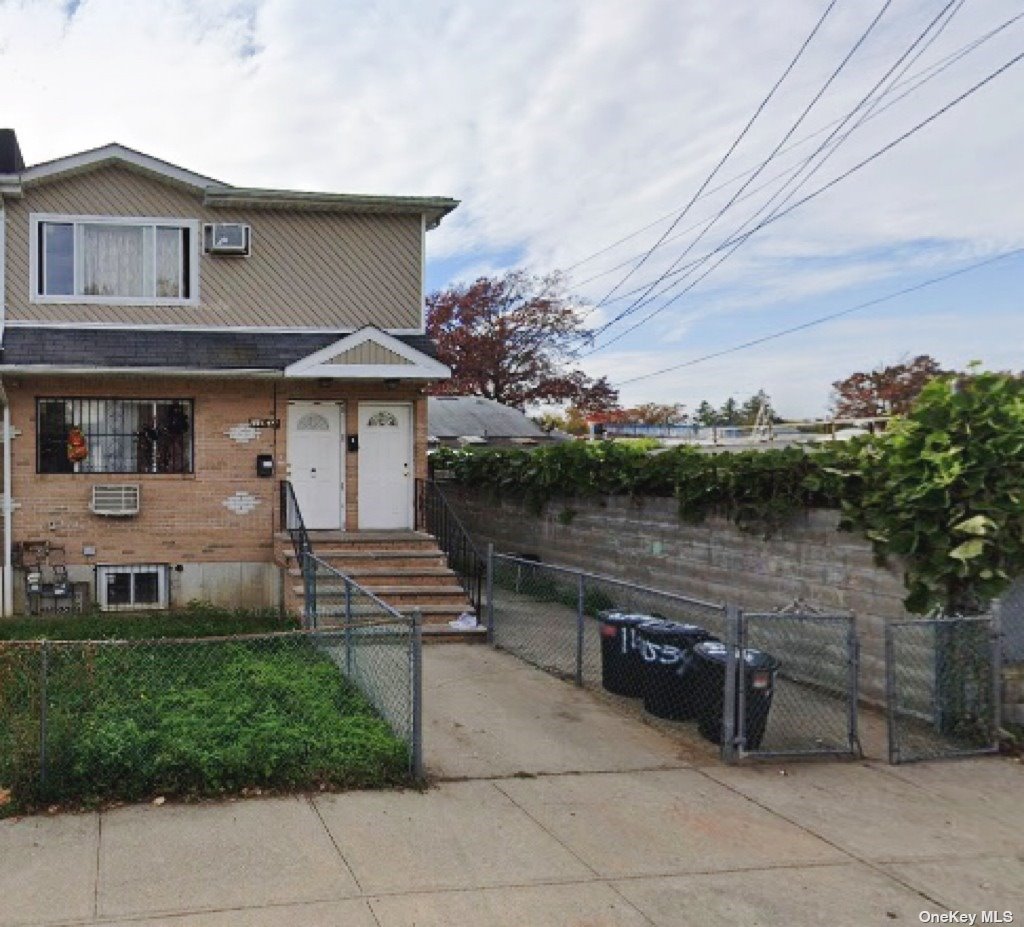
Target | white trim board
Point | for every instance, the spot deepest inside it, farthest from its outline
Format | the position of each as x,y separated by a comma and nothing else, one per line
318,365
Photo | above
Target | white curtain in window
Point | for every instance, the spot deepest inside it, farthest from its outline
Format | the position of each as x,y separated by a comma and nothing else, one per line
113,260
168,262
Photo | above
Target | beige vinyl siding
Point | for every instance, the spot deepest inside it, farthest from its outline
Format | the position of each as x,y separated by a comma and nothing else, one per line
369,353
307,270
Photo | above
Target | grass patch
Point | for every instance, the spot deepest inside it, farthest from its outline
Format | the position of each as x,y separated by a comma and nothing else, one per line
197,619
127,722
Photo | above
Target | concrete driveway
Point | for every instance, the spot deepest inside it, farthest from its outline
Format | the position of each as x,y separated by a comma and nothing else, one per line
550,808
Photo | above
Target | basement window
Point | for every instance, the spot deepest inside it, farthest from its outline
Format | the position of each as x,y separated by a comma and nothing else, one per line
100,259
131,587
114,436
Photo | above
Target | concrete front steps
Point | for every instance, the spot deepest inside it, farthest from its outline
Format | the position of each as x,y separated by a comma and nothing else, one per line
404,569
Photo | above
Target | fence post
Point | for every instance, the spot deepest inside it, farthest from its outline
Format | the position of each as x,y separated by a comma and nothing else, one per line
997,669
581,594
490,593
417,694
733,617
43,705
853,654
890,694
348,627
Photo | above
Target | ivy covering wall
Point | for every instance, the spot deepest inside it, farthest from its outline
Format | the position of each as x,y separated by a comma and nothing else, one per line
942,488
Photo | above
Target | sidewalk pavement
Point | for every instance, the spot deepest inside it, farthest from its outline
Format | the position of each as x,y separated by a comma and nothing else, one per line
550,808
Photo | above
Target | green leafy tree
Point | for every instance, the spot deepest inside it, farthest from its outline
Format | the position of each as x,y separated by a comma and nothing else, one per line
706,414
729,414
944,489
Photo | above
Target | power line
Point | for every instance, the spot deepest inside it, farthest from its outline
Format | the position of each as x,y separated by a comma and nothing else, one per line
733,243
739,138
638,303
821,320
917,80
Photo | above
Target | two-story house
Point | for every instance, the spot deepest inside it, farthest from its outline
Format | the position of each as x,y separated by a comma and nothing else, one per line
173,347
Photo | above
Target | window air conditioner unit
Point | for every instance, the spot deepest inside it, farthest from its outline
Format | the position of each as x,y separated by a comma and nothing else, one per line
118,500
227,238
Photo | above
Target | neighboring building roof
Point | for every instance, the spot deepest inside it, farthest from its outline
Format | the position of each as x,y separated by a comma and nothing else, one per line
209,350
215,193
475,417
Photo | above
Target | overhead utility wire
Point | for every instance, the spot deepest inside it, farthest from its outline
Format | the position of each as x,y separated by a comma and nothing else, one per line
732,244
917,80
820,320
739,138
922,77
643,299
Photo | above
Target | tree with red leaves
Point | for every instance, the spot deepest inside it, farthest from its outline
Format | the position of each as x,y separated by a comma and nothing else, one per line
884,390
512,338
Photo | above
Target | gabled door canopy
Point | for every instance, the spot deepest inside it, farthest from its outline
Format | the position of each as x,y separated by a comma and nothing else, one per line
368,354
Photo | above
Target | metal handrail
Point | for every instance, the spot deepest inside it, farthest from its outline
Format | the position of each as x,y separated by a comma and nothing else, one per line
434,515
293,523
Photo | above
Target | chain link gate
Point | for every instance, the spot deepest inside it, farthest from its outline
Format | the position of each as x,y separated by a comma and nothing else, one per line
679,657
796,692
943,687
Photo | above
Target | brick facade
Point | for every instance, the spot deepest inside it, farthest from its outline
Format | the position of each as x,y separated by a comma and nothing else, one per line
183,517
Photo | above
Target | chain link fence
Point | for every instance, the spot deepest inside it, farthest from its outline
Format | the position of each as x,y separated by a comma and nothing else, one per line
95,720
943,687
793,692
797,694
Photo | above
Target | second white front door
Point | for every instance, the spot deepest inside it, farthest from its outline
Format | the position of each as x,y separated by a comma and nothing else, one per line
315,442
386,484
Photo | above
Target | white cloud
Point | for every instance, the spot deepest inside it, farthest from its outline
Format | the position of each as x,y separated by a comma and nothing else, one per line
561,126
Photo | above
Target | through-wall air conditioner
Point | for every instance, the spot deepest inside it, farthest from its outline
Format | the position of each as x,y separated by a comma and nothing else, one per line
233,238
118,500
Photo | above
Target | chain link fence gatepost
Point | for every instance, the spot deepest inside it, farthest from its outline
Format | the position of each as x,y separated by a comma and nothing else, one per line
581,600
853,652
44,668
348,627
417,693
733,620
490,594
890,694
995,610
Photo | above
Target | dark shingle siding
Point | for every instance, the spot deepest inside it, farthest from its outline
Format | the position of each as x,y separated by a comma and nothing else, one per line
202,350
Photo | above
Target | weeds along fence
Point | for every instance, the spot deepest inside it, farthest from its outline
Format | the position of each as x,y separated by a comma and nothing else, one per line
91,720
773,684
379,649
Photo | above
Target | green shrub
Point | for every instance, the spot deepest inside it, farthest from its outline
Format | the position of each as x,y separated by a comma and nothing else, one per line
942,488
197,619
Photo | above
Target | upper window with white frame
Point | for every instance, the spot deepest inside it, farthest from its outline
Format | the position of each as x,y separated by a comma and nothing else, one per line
102,259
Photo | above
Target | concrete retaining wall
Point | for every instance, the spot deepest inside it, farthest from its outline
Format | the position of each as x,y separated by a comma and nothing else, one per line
645,542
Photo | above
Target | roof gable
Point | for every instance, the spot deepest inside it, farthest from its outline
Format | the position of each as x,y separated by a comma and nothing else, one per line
116,154
369,354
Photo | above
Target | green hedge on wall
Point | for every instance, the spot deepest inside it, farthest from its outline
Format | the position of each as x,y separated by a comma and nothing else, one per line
943,487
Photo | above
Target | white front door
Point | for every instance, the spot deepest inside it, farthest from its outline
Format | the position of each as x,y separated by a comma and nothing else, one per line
315,443
386,484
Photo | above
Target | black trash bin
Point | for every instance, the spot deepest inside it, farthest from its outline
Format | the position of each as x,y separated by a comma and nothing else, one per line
621,666
709,661
665,651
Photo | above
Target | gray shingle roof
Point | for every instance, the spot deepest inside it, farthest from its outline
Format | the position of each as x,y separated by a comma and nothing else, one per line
464,416
189,349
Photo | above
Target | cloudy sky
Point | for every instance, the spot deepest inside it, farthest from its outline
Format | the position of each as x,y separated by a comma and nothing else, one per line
575,128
